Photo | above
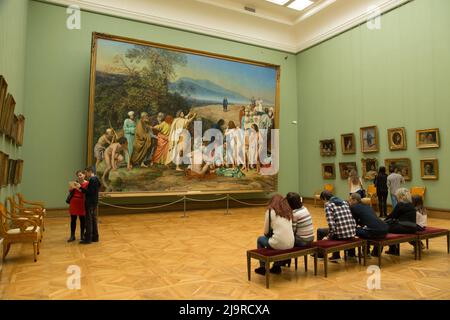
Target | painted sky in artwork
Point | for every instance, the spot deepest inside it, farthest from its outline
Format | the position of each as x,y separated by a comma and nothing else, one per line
246,79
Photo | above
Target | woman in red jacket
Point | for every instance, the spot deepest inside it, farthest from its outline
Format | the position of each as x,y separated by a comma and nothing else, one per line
76,208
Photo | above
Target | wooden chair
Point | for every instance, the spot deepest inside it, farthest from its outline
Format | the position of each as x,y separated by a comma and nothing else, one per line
14,230
17,212
29,204
327,187
371,195
420,191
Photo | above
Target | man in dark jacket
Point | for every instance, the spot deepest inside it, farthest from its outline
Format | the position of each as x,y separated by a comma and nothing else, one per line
91,202
369,225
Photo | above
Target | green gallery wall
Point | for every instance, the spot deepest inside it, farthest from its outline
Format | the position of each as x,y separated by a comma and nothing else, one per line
58,62
13,22
394,77
398,76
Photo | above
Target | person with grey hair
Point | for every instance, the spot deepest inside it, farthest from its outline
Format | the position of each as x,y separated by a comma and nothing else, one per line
369,226
129,130
402,220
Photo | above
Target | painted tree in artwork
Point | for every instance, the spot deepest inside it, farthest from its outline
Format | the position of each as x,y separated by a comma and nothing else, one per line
139,81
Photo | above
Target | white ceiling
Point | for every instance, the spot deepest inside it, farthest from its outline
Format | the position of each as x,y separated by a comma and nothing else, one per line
271,26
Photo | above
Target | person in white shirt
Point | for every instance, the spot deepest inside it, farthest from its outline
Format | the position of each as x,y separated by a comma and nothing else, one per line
355,184
394,182
278,233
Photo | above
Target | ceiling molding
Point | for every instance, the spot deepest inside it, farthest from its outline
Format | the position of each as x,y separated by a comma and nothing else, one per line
322,29
331,32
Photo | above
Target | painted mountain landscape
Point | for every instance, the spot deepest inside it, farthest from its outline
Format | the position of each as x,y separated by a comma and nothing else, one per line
153,90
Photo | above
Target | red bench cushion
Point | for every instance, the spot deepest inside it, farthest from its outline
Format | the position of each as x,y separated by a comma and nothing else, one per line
333,243
273,252
431,230
395,236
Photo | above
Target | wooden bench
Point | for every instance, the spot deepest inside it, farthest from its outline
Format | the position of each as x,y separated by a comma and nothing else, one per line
325,247
393,239
271,255
429,233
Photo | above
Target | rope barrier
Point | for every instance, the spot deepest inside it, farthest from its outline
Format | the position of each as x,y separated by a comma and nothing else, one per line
248,203
141,208
205,200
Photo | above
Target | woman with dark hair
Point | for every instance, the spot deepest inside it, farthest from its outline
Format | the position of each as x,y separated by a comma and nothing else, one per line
76,205
277,230
380,183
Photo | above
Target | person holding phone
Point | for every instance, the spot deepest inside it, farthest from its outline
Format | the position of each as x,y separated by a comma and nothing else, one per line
77,205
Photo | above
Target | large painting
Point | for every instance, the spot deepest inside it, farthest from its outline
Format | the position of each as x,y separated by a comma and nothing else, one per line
165,120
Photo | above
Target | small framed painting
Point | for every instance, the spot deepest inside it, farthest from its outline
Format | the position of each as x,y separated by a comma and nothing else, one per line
429,169
5,170
428,138
369,139
346,167
401,166
348,144
327,148
369,168
328,171
397,139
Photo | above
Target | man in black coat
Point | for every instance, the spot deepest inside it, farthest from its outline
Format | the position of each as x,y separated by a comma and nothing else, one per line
369,225
91,203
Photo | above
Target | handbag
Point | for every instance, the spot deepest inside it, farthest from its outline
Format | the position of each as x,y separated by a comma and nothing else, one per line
270,233
70,196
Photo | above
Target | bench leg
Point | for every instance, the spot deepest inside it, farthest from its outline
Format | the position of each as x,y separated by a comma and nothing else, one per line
365,248
267,273
325,264
380,248
315,263
296,264
416,250
359,255
249,266
448,242
306,263
427,244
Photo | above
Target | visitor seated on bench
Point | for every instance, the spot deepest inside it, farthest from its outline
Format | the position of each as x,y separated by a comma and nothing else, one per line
302,224
277,231
421,215
341,225
402,220
369,226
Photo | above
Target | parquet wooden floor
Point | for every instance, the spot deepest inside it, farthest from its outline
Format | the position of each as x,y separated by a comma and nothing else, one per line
164,256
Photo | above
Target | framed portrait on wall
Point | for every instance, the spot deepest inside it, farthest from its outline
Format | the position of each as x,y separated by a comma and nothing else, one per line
3,94
20,130
369,139
9,121
428,138
11,171
5,170
369,168
13,130
9,101
328,171
401,166
346,167
327,148
149,97
429,169
397,139
19,172
348,143
2,167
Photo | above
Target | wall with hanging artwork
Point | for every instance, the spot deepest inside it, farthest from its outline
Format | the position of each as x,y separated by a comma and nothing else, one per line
387,87
13,27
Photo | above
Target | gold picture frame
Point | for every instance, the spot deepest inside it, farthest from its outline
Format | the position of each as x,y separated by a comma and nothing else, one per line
2,167
92,137
346,167
5,170
328,147
369,139
20,130
369,168
11,171
328,171
427,139
397,139
429,169
401,166
348,143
